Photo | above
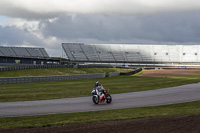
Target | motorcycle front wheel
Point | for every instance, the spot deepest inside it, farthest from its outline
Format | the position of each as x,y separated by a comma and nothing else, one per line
108,98
95,99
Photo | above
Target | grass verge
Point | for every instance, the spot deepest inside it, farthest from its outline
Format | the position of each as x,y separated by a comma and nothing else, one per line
59,71
78,88
189,108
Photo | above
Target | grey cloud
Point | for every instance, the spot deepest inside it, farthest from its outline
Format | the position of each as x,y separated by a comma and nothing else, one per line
12,35
178,28
16,12
52,8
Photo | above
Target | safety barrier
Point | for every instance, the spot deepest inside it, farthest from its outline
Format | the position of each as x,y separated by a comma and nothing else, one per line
10,67
21,67
15,80
112,74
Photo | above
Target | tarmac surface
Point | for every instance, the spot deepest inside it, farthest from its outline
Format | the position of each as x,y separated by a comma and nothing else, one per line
172,95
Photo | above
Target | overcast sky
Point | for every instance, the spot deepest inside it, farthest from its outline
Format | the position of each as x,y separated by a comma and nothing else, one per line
48,23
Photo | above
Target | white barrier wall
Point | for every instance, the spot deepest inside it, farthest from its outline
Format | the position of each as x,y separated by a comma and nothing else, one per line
132,53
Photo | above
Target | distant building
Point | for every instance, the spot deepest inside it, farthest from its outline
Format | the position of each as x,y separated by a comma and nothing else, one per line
23,55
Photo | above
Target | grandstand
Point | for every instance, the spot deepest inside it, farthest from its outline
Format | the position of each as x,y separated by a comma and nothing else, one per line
132,53
23,55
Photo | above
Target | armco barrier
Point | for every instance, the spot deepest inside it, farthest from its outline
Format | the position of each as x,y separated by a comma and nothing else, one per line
15,80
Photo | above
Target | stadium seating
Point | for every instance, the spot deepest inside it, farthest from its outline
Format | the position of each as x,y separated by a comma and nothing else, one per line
7,51
23,52
132,53
90,52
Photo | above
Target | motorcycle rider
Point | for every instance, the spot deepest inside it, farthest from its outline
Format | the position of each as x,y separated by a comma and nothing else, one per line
100,88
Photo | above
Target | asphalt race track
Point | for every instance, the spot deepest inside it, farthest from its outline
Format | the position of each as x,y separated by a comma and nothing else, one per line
164,96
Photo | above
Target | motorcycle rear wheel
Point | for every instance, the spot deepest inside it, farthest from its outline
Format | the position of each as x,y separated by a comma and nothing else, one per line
95,99
108,98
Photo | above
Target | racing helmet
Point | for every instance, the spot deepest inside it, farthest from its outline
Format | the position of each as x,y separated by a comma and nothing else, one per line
96,83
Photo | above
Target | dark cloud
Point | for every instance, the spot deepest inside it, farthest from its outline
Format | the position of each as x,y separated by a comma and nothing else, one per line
178,28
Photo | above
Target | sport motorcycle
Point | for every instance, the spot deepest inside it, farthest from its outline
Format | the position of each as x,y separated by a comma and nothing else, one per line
101,98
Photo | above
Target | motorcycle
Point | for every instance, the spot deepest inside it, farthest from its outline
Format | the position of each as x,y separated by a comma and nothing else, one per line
104,97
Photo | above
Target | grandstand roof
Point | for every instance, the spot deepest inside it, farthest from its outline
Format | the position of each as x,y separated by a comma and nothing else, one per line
135,53
23,52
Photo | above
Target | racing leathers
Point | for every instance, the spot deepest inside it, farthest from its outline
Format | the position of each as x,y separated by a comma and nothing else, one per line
101,90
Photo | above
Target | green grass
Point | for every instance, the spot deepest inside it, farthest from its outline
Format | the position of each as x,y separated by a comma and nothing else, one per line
59,71
190,108
78,88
